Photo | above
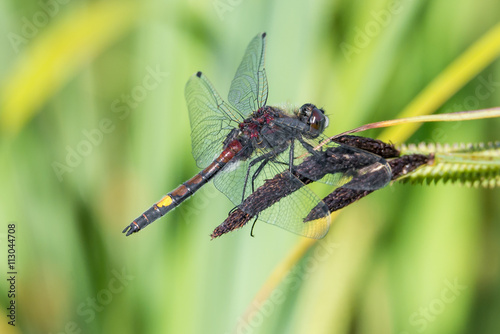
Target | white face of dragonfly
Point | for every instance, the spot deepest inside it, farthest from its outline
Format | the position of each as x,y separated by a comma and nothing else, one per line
314,117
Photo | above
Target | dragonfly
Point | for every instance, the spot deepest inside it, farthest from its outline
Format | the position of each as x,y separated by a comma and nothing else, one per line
241,144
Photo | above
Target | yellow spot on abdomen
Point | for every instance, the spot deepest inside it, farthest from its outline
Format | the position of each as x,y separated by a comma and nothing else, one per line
165,201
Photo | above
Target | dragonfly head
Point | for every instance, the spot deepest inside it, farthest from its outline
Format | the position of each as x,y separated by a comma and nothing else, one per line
314,117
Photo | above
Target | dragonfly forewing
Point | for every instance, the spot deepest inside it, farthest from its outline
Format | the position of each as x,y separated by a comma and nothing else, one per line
248,91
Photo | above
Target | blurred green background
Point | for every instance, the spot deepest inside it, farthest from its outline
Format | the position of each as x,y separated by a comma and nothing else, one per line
89,142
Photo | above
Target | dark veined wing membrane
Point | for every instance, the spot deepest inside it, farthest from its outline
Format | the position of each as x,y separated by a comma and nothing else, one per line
351,167
210,117
248,91
289,212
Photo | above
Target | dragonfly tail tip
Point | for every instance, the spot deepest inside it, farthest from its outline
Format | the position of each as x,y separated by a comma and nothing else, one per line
130,229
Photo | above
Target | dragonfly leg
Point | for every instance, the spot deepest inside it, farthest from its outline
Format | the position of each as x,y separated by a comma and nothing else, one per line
253,225
308,147
232,210
250,165
265,156
290,163
257,172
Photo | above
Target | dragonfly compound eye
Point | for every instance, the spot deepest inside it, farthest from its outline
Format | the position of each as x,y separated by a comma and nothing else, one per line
314,117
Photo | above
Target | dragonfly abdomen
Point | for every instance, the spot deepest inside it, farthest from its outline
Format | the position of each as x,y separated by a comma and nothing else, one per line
185,190
188,188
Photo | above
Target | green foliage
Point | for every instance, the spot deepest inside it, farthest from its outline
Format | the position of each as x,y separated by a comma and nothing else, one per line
473,165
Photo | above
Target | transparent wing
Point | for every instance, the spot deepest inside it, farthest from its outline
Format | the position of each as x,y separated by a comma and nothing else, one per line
293,199
211,119
248,91
350,167
290,211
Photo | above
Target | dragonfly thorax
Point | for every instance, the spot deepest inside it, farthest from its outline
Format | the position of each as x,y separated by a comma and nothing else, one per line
251,128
